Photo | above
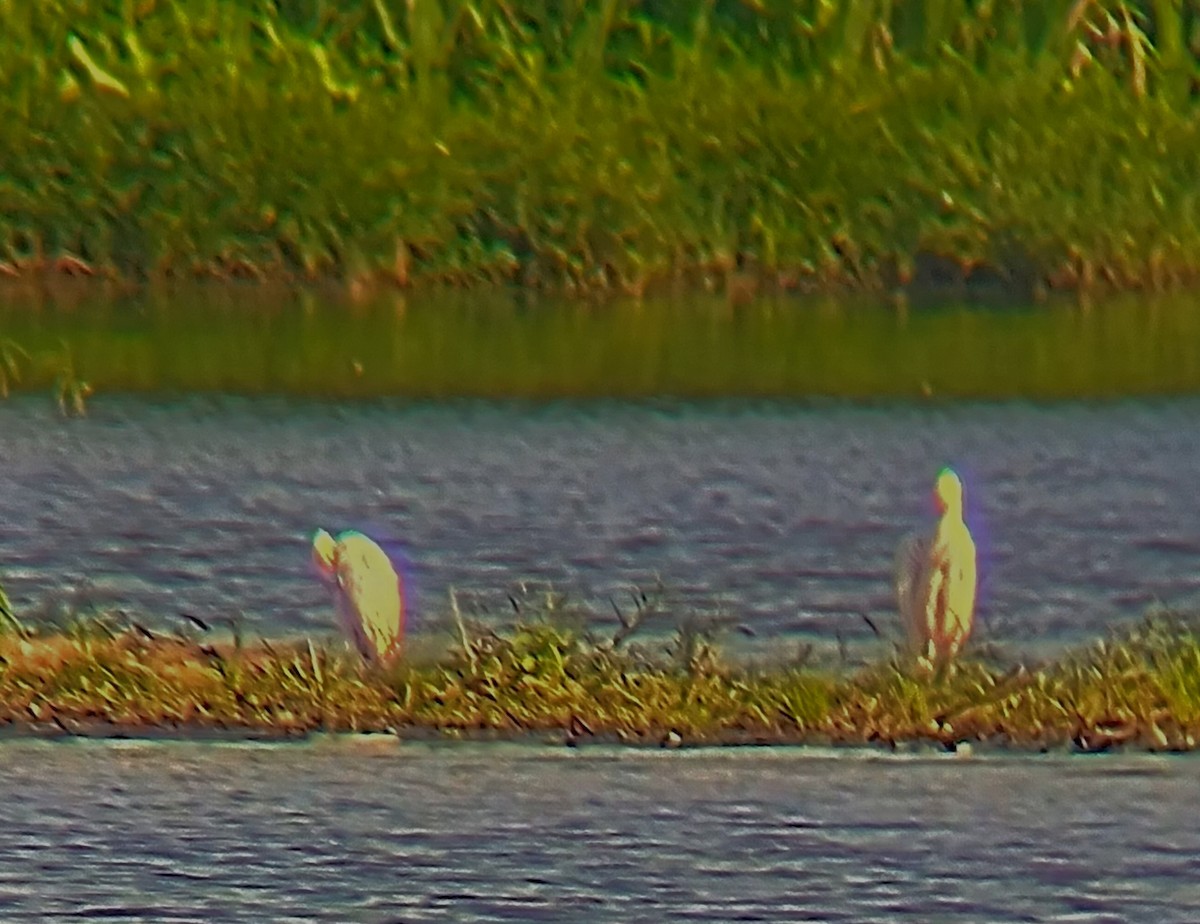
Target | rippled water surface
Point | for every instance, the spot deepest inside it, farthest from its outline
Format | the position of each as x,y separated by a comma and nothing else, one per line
379,831
785,513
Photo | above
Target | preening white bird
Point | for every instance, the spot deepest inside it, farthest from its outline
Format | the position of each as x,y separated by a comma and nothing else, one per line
936,579
368,593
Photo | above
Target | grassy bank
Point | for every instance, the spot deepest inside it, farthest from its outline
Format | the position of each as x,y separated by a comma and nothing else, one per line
1139,689
603,144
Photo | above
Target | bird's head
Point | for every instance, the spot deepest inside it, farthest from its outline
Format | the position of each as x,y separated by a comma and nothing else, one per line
324,553
948,492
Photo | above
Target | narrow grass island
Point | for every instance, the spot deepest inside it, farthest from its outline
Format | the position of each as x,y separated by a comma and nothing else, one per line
1138,689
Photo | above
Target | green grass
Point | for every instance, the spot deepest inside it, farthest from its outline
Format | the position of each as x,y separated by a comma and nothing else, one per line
99,675
603,145
54,366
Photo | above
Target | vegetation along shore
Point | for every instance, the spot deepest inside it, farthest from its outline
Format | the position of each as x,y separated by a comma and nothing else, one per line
604,145
105,675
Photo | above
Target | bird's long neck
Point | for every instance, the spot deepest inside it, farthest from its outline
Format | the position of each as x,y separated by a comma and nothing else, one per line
953,513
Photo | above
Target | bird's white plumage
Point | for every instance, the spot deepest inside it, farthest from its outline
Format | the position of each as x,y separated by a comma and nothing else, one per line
910,579
935,579
367,591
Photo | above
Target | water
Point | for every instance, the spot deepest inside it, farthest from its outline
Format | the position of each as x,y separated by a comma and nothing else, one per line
255,340
786,514
374,831
195,484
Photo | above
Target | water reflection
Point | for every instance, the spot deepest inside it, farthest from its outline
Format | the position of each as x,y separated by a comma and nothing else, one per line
252,340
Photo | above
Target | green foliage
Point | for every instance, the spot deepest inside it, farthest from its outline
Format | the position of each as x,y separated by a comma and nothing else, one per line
599,143
1139,688
7,618
69,391
12,357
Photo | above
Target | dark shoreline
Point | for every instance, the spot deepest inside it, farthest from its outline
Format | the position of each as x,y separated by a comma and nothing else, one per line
936,281
101,730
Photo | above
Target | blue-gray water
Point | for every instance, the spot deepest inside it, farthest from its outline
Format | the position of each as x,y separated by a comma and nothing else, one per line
786,514
376,831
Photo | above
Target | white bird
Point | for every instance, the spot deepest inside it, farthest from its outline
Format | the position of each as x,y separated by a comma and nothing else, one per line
936,579
367,591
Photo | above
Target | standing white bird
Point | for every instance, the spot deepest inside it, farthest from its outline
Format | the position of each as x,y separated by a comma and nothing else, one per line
936,579
367,591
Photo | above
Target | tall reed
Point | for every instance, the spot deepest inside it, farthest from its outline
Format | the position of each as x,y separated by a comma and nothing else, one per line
601,143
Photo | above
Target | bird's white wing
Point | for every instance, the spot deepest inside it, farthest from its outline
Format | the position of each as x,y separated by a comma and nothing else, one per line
908,578
370,587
